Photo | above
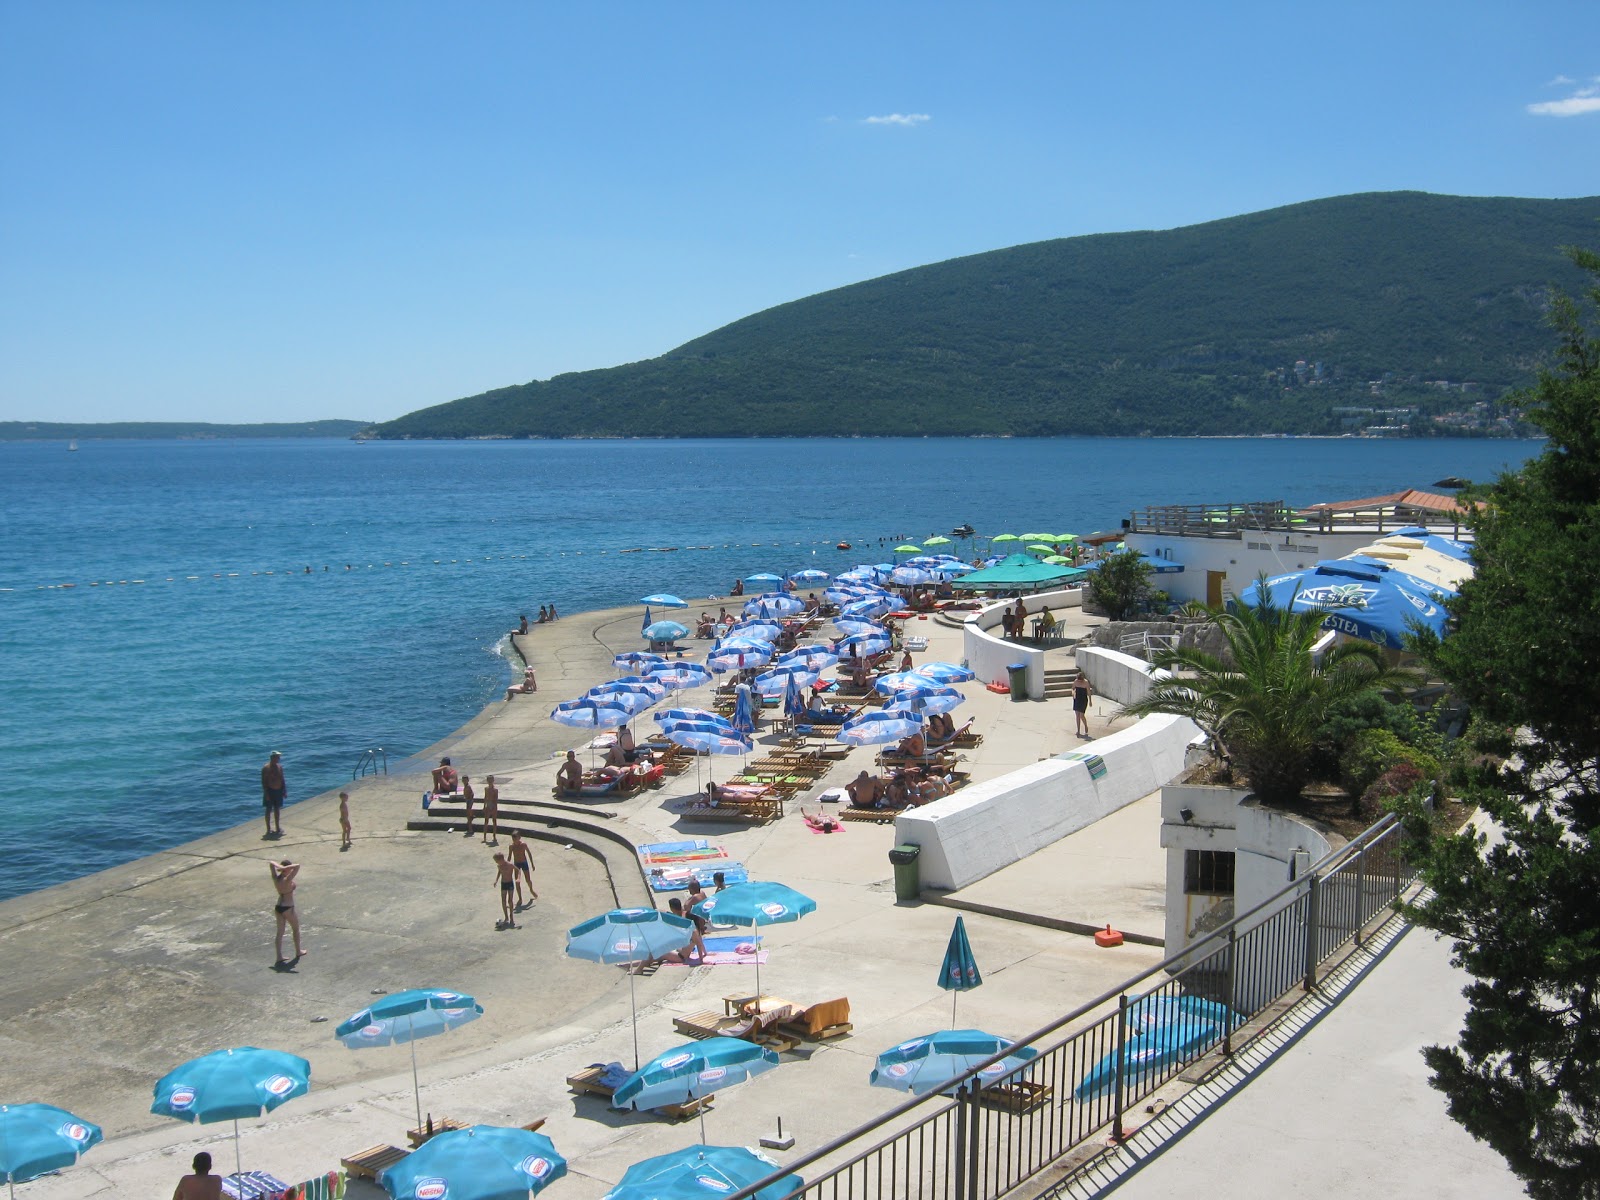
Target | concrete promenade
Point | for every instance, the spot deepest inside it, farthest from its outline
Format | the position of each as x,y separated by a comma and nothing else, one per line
110,981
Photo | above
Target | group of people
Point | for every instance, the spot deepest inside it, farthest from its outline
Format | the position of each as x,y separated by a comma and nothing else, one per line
512,867
446,782
547,613
905,788
694,954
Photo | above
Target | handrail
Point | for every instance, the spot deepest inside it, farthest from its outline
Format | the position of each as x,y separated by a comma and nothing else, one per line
374,761
965,1087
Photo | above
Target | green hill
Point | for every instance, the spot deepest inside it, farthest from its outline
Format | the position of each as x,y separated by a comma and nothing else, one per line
1385,300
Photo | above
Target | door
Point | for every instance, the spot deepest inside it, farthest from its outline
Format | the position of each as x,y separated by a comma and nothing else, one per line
1214,588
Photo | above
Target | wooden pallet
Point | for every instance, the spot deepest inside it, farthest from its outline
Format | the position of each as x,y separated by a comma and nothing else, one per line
365,1164
1018,1096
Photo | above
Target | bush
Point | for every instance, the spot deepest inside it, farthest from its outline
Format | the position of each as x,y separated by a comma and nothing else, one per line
1374,751
1398,780
1346,722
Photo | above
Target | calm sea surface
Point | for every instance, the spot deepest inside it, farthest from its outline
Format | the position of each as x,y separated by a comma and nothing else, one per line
138,705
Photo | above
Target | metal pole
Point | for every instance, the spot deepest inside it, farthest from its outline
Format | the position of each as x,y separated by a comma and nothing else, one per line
974,1135
238,1162
633,1005
1361,893
1227,1028
416,1088
960,1165
1122,1062
1313,915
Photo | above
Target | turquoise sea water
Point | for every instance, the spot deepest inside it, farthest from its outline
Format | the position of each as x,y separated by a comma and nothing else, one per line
139,703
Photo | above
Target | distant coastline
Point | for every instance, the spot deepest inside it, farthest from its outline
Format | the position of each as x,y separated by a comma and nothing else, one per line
60,431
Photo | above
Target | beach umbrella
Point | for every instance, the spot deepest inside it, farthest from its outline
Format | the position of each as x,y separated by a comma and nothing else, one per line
879,728
664,600
1055,560
899,681
930,698
869,609
809,575
1162,1030
1004,537
818,657
850,626
37,1139
756,904
772,606
705,742
908,548
765,577
1065,537
1454,547
230,1085
699,1172
927,1064
405,1017
855,575
629,935
744,709
909,576
591,712
959,971
670,715
754,630
665,631
794,704
776,681
955,568
943,672
1041,548
864,645
679,676
740,657
937,539
696,1069
645,624
481,1162
1367,600
633,660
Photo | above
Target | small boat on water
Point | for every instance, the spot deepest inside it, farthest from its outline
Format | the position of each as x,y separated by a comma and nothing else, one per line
73,445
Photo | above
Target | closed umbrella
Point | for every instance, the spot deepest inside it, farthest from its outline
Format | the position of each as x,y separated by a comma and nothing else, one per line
959,971
691,1071
794,703
757,904
927,1064
481,1162
700,1172
36,1139
744,709
229,1085
631,936
403,1017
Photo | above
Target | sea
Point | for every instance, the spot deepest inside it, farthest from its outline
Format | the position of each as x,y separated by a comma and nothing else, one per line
174,610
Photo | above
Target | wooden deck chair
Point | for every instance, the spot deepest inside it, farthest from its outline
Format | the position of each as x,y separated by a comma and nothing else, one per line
365,1164
827,1019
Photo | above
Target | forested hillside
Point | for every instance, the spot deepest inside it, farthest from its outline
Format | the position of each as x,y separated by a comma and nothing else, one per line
1265,323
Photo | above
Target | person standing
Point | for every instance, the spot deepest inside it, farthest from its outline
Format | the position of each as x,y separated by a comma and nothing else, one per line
344,820
522,861
505,876
274,791
202,1185
491,810
284,875
1081,691
468,795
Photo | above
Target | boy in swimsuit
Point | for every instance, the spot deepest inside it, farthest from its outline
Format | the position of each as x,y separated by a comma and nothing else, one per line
522,860
491,810
469,796
283,879
274,791
505,876
344,820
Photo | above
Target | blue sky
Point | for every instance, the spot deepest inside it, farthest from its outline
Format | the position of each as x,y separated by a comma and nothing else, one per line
249,212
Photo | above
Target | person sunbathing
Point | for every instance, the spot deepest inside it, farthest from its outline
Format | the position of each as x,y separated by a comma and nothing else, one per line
616,756
864,790
941,728
914,746
570,776
444,778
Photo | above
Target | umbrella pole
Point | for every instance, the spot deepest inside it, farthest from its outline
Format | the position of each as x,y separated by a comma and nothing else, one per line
953,995
238,1161
416,1088
633,1003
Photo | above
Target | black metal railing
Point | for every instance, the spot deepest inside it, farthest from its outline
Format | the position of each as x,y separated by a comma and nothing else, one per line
988,1133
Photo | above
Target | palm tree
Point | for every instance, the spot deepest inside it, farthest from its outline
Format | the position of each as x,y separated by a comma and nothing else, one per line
1262,710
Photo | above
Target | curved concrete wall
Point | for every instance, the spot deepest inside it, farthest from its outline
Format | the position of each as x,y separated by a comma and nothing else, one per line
990,654
991,825
1117,676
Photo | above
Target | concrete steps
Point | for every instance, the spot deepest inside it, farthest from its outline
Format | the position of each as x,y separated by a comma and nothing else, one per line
1058,683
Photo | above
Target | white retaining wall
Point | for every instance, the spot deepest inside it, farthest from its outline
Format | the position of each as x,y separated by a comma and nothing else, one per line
1117,676
987,826
990,654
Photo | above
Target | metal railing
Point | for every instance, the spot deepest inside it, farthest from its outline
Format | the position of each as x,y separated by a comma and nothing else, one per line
371,762
993,1129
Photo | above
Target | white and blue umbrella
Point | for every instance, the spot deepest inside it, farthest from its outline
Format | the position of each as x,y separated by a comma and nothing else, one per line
943,672
704,1173
879,728
757,904
1364,600
629,935
664,631
679,676
818,657
635,700
39,1139
852,626
636,684
932,698
230,1085
591,713
701,741
744,709
664,600
864,644
928,1064
670,715
809,575
909,576
776,605
403,1017
869,609
633,660
900,681
776,681
692,1071
754,630
794,702
862,574
481,1162
1456,549
764,578
740,657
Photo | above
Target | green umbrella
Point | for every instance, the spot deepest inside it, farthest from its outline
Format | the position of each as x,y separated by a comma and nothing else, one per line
1041,548
1005,537
936,540
1036,537
908,549
1065,537
1055,560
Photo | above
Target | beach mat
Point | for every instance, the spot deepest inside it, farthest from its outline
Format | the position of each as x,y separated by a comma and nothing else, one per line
676,879
736,951
660,854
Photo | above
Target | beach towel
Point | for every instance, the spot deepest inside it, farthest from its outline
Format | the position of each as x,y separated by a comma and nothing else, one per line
254,1185
735,951
655,854
676,879
1096,764
612,1074
823,824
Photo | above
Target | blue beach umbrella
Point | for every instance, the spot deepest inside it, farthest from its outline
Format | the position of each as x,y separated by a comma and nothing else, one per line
1367,600
701,1173
679,676
764,578
645,624
633,660
900,681
36,1139
691,1071
776,681
664,600
928,699
909,576
794,703
755,630
740,657
1455,548
817,657
229,1085
744,709
629,935
776,605
665,631
481,1162
853,626
1162,1030
864,644
668,715
635,700
943,672
869,609
959,971
591,713
879,728
809,575
716,740
403,1017
757,904
927,1064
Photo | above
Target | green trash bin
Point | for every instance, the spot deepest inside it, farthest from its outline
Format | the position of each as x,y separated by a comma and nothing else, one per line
1019,680
907,875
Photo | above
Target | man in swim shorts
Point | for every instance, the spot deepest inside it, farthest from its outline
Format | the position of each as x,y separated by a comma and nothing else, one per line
505,876
491,810
570,777
274,791
344,820
522,860
468,795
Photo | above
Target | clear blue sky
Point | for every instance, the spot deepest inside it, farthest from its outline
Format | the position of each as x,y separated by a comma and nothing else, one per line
283,211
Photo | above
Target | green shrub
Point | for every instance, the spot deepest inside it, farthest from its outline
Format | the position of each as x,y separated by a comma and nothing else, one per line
1354,717
1399,780
1374,751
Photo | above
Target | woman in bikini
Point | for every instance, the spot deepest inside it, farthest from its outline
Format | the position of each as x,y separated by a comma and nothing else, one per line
283,879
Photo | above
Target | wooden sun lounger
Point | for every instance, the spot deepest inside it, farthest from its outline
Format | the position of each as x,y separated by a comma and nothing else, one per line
1018,1096
587,1083
827,1019
877,816
763,808
365,1164
765,1032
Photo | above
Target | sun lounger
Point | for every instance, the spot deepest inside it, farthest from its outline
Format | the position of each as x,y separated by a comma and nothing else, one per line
433,1129
762,1028
759,804
877,816
366,1164
1017,1095
827,1019
253,1185
587,1083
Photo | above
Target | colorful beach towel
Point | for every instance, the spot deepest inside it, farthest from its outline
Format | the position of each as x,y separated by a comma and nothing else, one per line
254,1185
736,951
657,854
1096,764
676,879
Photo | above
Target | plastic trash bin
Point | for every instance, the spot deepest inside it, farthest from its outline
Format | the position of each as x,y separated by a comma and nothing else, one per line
1019,680
907,875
